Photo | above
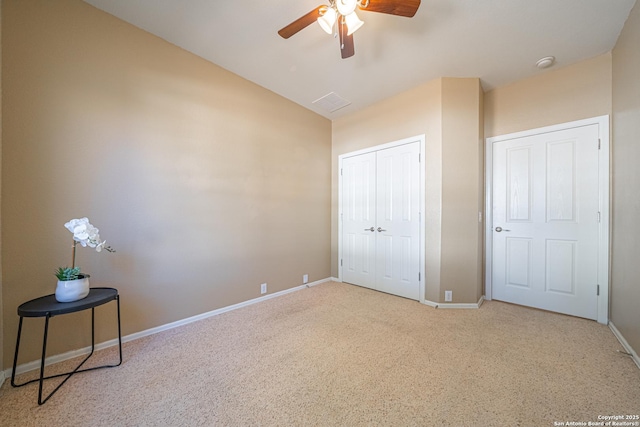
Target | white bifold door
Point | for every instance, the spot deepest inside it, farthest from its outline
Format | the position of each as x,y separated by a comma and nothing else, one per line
381,220
546,221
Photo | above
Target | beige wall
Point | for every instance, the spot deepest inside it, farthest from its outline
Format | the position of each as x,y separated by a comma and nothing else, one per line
575,92
206,184
461,190
448,112
625,278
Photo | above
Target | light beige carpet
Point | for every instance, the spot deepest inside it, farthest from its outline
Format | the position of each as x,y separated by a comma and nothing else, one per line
340,355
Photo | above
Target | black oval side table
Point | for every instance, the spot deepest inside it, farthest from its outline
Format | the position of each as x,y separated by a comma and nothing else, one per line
48,307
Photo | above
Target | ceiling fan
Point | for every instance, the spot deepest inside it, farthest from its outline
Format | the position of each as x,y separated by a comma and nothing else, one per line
341,15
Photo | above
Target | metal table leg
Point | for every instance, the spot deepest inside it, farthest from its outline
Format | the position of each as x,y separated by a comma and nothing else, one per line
15,357
67,374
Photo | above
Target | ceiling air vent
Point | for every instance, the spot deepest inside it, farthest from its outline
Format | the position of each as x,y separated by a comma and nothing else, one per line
331,102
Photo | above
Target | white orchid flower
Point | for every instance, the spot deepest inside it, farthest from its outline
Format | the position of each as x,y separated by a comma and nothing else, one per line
100,246
86,234
74,223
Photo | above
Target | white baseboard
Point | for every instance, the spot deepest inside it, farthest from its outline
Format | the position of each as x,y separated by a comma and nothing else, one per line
335,279
30,366
430,303
625,344
2,378
454,305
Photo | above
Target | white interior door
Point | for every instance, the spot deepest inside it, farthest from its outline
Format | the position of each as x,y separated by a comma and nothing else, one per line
397,221
381,220
545,233
359,219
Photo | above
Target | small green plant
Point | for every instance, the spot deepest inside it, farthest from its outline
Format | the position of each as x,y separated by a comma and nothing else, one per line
67,273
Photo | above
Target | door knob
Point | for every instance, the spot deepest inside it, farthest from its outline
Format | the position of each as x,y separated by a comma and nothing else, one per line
369,229
380,230
499,229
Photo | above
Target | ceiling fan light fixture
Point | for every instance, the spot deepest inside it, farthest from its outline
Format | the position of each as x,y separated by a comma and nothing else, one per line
353,23
346,7
327,20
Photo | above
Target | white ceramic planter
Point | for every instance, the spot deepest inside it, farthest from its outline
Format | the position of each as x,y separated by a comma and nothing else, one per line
72,290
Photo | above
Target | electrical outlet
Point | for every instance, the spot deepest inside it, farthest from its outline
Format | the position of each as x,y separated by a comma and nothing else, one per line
305,279
448,296
263,288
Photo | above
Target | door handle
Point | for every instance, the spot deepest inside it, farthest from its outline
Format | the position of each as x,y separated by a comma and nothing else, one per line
369,229
499,229
380,230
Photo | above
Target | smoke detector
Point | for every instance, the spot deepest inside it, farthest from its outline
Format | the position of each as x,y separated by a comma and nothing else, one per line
545,62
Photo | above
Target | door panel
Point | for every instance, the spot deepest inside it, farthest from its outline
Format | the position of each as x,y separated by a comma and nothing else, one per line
358,211
561,266
518,262
398,179
519,184
545,218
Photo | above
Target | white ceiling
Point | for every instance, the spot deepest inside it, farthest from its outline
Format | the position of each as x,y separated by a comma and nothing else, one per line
498,41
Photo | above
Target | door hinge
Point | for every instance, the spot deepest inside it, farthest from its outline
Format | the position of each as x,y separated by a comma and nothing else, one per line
598,216
598,290
340,171
599,142
340,262
419,157
419,277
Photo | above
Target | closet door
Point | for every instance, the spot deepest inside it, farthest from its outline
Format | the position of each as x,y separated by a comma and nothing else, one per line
397,221
380,220
359,220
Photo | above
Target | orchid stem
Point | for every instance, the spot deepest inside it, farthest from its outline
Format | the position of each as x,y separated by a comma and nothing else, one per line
73,252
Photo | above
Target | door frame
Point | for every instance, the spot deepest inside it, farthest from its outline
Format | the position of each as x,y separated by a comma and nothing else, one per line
421,140
603,203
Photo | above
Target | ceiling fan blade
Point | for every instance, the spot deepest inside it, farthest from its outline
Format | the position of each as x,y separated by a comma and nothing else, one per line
406,8
301,23
346,41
